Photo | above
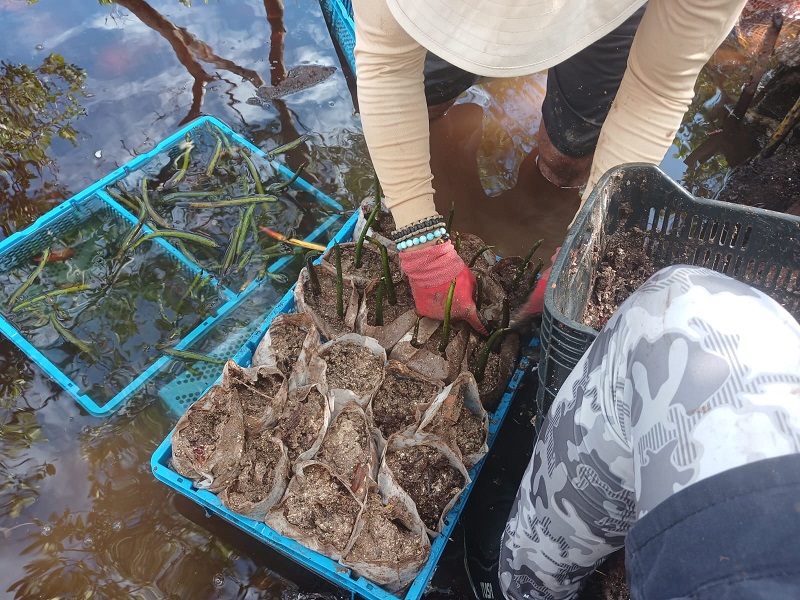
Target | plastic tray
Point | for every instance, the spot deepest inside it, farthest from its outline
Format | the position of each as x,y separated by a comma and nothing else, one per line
339,16
327,568
94,203
758,247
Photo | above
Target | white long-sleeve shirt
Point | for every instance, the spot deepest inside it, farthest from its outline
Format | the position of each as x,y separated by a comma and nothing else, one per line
673,42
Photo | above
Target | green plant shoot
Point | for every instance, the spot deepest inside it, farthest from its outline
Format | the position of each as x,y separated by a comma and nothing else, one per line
446,325
387,274
483,357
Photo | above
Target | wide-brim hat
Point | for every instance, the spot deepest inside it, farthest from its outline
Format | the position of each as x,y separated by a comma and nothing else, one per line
506,38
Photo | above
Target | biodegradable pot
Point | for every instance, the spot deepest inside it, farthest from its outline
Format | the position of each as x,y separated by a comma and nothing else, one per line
458,418
304,421
318,510
354,364
349,448
381,228
208,440
423,355
469,246
260,390
390,544
429,471
322,308
499,368
262,478
371,265
397,319
492,296
400,400
287,343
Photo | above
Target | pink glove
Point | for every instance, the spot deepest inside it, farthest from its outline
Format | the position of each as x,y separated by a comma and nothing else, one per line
534,305
430,271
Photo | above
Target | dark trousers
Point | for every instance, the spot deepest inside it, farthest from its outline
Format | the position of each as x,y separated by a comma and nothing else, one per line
580,90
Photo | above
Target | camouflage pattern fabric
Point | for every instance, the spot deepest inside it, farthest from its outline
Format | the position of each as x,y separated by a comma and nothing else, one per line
695,374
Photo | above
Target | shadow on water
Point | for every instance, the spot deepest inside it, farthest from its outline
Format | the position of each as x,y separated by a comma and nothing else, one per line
89,85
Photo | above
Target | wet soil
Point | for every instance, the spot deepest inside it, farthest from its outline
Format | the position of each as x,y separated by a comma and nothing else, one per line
371,266
353,367
286,342
323,507
384,538
255,399
468,245
772,183
257,475
405,302
346,445
301,421
397,400
429,479
201,430
457,425
384,222
324,304
624,268
505,273
609,581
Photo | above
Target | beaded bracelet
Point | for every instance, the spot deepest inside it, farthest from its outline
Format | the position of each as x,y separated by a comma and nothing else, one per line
416,228
441,232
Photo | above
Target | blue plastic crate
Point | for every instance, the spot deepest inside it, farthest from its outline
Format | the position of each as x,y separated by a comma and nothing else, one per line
96,208
339,16
321,565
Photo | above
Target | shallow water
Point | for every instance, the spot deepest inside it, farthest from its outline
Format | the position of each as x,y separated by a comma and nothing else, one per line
80,512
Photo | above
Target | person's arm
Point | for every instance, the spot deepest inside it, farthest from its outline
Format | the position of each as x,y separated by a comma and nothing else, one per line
391,98
675,39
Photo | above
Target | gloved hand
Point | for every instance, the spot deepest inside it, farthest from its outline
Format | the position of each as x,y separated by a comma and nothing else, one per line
430,270
534,305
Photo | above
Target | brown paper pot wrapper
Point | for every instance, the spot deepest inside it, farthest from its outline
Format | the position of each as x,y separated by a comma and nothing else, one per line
286,345
323,309
349,448
208,440
492,300
385,225
260,390
401,399
304,421
263,475
355,363
499,368
429,471
398,319
390,544
458,418
371,266
470,244
426,360
318,510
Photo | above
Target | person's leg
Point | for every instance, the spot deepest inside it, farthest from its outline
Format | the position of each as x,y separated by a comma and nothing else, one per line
444,83
695,374
580,91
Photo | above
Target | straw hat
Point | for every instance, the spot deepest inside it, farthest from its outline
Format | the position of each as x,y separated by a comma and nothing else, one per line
505,38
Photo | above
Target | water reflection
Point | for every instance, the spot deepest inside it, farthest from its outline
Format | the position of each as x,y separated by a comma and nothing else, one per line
38,104
80,511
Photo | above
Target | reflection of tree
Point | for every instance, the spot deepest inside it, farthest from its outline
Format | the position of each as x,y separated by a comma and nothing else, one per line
189,50
36,105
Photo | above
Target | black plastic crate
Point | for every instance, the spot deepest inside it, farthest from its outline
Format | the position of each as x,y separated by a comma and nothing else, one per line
756,246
